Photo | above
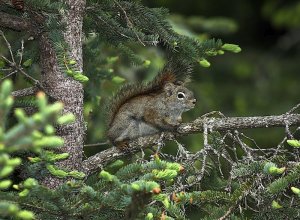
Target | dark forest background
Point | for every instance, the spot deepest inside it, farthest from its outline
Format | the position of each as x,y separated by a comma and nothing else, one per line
261,80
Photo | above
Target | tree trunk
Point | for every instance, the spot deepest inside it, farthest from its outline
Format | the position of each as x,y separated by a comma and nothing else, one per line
66,89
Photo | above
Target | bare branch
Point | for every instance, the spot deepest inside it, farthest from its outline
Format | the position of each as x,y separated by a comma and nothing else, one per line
97,144
15,66
102,158
25,92
8,75
22,52
296,107
8,46
245,192
36,82
14,22
228,213
234,123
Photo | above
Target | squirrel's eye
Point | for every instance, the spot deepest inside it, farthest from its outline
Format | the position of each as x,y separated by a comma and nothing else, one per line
180,95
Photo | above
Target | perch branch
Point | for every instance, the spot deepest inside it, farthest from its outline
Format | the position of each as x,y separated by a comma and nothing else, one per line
102,158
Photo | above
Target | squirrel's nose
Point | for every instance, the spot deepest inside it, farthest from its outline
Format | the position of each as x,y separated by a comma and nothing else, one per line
194,101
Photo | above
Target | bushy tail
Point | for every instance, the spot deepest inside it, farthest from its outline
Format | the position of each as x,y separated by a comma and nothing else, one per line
174,71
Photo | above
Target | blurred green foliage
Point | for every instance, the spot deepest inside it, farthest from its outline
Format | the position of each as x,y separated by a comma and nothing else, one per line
31,133
261,80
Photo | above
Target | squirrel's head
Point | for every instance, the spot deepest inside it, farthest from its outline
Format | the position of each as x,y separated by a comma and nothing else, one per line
179,96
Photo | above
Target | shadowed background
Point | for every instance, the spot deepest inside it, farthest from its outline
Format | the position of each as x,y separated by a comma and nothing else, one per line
261,80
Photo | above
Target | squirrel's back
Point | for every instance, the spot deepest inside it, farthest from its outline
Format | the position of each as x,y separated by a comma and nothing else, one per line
173,72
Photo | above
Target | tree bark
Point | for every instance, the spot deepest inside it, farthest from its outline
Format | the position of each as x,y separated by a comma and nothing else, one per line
54,81
66,89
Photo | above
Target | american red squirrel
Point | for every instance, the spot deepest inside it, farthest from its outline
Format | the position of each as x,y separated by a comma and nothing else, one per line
148,108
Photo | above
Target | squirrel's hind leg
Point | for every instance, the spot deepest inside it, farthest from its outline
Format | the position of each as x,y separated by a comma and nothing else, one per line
136,129
129,133
145,129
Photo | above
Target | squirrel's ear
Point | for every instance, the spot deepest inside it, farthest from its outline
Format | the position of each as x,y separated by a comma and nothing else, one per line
168,88
179,83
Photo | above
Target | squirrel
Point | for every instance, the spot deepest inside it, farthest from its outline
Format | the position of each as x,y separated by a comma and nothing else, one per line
149,108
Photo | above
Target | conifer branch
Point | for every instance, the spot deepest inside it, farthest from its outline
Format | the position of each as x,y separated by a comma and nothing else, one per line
25,92
129,22
102,158
244,192
16,66
14,22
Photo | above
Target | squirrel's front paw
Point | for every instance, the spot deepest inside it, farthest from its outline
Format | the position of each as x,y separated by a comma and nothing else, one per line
179,120
122,145
173,121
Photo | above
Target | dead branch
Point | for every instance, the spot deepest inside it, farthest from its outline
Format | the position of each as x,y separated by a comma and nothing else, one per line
14,22
102,158
16,66
25,92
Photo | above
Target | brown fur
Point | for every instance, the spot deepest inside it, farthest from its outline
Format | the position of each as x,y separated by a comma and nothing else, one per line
173,72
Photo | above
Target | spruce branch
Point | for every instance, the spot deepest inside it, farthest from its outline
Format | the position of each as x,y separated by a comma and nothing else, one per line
15,66
129,22
243,192
102,158
14,22
25,92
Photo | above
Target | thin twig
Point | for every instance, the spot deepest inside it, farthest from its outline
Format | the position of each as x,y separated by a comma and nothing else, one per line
281,144
111,27
10,74
16,66
25,92
8,46
36,82
206,146
254,142
229,211
294,109
200,174
129,22
5,69
96,144
8,61
22,52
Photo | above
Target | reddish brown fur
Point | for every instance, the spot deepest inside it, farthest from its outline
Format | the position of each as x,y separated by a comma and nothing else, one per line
18,4
172,73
